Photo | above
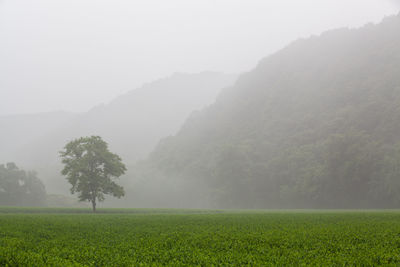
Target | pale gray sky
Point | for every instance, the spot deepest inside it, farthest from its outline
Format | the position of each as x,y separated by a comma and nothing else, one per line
73,54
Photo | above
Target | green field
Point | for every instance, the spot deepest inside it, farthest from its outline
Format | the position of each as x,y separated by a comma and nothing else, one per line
139,237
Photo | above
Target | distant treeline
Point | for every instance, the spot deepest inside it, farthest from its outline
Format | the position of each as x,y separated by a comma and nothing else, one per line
20,188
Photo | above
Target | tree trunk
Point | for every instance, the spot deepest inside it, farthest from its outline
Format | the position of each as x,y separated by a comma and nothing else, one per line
94,205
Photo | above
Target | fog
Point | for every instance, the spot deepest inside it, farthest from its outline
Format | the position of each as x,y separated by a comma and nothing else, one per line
72,55
210,104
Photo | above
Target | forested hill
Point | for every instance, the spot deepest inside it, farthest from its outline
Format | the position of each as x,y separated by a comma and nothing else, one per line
132,124
316,124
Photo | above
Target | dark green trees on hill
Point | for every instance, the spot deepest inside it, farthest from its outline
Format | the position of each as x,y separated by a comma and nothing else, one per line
315,125
20,188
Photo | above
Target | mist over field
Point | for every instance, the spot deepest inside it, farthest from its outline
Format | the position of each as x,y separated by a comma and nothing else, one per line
208,104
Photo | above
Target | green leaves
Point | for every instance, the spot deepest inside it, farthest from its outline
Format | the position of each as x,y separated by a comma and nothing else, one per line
184,238
90,168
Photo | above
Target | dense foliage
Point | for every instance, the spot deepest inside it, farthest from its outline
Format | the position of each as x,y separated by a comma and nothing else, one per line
220,239
91,169
315,125
20,188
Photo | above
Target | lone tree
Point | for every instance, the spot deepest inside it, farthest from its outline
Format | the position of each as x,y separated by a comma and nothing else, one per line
91,169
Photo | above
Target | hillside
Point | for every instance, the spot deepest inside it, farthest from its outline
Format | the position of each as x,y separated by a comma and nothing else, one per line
132,124
316,124
17,131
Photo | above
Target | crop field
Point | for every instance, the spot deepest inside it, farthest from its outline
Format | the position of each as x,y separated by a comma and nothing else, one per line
72,237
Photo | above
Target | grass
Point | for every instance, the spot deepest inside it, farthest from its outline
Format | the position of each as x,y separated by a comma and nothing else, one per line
29,210
155,237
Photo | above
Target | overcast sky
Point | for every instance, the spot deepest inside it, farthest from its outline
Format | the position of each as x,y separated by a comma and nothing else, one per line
74,54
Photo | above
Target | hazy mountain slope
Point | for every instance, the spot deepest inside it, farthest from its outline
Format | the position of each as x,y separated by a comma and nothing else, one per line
132,124
314,125
136,121
17,131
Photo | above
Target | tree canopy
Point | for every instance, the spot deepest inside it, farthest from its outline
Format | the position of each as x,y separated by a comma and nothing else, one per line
91,169
20,188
